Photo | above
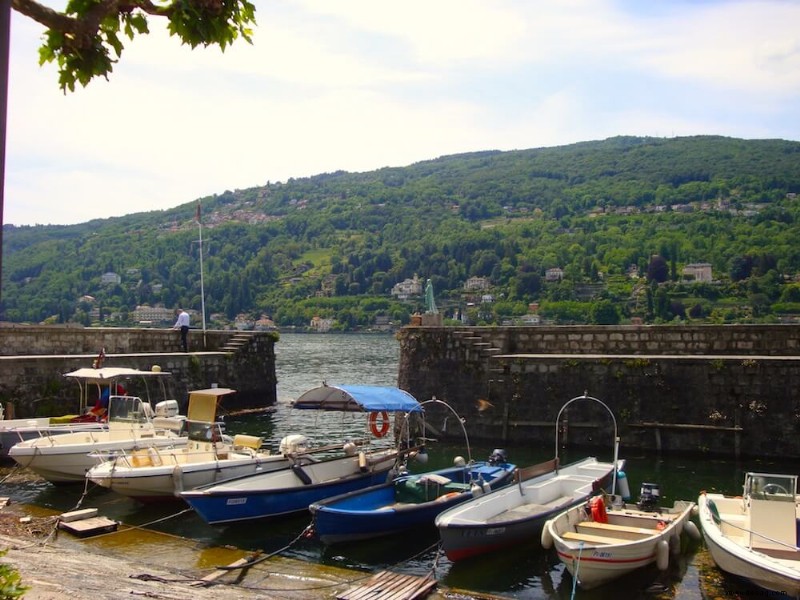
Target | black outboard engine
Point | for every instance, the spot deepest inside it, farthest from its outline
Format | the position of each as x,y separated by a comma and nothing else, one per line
498,457
649,497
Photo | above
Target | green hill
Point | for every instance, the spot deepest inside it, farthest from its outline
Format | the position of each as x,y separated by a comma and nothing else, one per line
563,227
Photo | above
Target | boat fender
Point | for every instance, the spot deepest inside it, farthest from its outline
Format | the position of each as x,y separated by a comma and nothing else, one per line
692,531
155,457
486,487
177,480
547,537
301,474
476,489
381,431
599,514
662,555
362,462
622,485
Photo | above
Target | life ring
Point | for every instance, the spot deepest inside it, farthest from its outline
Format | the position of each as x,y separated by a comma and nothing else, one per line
381,431
599,510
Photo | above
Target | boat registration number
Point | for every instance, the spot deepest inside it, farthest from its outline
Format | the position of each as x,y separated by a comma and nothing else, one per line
236,501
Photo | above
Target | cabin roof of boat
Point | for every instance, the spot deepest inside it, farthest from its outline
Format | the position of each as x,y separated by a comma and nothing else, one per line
357,398
108,373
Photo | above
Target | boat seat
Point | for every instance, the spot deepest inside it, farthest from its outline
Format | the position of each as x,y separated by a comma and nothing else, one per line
589,538
594,527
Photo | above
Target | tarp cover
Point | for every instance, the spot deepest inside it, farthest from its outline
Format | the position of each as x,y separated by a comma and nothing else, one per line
357,398
106,374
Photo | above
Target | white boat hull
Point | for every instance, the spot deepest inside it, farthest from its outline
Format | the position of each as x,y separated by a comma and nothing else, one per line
776,571
593,562
172,477
66,458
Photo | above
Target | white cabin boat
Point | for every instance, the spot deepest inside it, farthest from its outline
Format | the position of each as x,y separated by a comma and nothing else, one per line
132,425
93,383
163,473
755,536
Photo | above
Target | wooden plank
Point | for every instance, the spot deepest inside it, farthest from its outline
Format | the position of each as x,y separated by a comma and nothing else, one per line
386,585
211,577
589,538
91,526
643,531
78,515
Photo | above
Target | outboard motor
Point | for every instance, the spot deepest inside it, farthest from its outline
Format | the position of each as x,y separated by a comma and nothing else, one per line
498,457
649,497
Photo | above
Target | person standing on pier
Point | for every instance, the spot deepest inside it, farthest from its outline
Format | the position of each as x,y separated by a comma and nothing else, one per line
183,324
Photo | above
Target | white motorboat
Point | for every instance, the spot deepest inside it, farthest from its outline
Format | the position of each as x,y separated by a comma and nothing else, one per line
516,513
153,474
599,544
93,383
132,425
755,536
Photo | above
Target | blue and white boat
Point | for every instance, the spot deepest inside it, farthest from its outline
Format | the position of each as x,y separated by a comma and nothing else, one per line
410,501
357,463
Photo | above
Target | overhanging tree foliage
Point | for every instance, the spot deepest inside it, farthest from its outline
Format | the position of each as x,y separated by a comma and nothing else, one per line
85,40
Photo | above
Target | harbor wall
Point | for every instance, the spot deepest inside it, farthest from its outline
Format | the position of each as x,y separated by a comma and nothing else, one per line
722,390
35,358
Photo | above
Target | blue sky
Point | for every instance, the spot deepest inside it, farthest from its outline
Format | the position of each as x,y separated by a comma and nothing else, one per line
358,85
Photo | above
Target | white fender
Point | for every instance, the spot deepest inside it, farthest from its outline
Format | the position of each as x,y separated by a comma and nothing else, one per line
547,537
692,531
177,480
662,555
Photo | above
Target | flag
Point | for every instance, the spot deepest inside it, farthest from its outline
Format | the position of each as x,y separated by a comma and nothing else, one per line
197,214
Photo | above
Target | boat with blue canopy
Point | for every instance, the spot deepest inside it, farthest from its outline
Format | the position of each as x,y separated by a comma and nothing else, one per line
363,458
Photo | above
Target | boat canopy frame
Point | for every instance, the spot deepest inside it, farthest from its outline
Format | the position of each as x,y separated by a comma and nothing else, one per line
357,398
106,377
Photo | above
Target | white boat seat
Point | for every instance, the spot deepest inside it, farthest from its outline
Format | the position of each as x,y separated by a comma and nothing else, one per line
573,536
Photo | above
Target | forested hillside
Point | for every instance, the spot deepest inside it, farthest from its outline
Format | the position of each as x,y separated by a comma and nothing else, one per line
595,232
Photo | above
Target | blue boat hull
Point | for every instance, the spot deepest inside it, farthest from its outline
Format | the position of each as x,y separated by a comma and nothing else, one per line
388,509
230,507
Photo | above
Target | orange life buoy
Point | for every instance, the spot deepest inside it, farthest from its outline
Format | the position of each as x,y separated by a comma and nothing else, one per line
381,431
599,510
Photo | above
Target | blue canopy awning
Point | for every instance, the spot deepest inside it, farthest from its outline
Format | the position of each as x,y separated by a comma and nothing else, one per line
357,398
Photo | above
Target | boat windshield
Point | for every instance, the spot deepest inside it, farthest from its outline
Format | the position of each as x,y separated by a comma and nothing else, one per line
128,409
771,486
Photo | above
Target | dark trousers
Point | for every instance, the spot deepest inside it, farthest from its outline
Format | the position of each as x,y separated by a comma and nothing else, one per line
184,336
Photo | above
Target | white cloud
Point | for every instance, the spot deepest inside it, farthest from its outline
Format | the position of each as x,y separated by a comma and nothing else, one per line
358,85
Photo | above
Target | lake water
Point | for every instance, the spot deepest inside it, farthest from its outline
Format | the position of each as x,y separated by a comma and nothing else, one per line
305,361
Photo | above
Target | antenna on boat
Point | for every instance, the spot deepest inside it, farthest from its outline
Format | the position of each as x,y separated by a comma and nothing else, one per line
586,396
202,292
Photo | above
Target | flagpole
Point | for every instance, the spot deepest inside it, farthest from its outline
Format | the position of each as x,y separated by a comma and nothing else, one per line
202,291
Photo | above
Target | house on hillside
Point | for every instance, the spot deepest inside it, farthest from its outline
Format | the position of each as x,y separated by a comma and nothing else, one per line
554,274
408,288
476,284
699,272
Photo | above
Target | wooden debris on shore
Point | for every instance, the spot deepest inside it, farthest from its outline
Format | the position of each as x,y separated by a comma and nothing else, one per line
386,585
86,522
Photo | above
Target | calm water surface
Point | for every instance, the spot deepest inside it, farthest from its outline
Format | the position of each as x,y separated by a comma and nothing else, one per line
305,361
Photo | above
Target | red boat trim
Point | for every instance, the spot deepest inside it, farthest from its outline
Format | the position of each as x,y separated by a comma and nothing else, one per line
587,558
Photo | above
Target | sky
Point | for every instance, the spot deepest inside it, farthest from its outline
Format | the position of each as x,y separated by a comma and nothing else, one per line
358,85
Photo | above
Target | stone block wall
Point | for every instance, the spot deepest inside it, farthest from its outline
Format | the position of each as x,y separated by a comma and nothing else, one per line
34,382
729,390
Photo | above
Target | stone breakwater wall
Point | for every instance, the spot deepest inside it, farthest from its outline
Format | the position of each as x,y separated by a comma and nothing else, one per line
729,390
35,358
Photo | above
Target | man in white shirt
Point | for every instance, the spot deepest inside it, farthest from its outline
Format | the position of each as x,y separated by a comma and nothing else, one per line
183,324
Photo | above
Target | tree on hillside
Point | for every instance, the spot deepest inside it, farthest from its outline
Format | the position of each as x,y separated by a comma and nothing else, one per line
84,39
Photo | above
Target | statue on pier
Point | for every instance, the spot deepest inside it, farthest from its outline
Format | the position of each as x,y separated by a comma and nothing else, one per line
430,303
